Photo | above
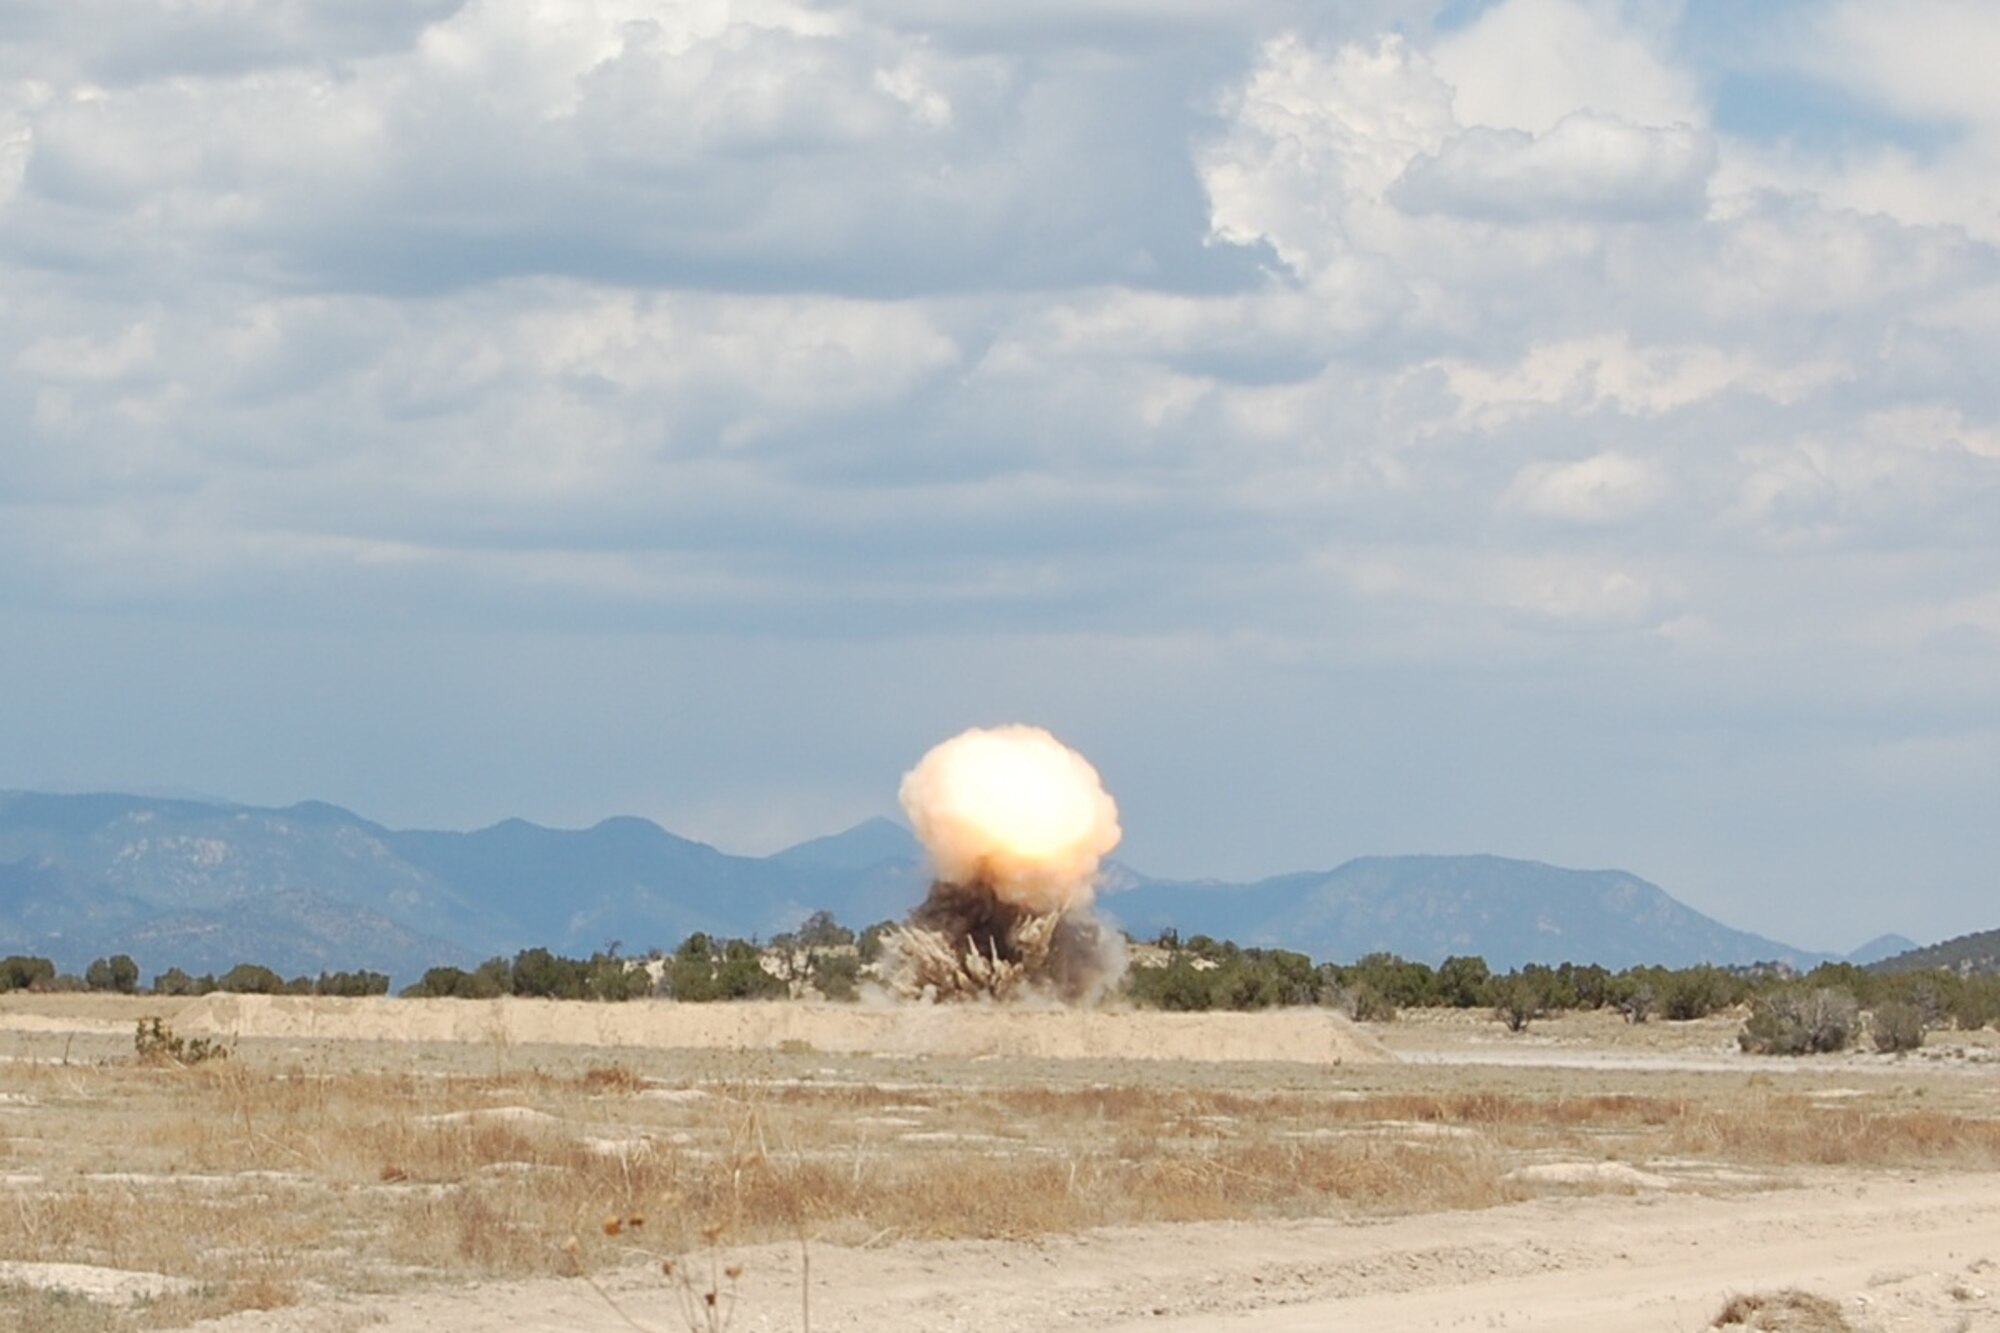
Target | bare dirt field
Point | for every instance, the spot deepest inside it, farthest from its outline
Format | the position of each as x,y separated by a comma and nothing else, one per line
424,1165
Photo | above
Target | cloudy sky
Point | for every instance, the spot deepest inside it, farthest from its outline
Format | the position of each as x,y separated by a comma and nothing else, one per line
1559,428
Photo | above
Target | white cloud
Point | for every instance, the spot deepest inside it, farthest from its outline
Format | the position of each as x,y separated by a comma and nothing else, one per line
1526,64
1608,371
86,359
1928,58
1315,137
1927,64
1311,342
1586,165
1603,488
1901,478
1530,590
632,141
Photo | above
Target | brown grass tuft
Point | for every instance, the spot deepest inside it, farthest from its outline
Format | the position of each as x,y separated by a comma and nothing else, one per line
610,1079
1788,1311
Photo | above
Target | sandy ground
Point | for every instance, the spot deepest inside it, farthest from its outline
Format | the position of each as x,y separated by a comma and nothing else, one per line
1909,1250
1603,1041
1897,1253
1313,1036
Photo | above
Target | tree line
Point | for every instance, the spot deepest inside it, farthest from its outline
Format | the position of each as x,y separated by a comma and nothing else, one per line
120,975
1789,1013
821,956
1814,1011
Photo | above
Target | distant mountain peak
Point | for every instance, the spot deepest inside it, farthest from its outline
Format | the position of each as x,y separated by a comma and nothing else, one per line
321,812
1881,947
1426,907
869,843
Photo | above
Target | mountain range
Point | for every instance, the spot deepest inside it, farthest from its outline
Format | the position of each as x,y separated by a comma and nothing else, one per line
203,885
1969,955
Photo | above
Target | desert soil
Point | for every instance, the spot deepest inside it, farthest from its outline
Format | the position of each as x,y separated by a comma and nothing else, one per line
1313,1036
1897,1253
1628,1249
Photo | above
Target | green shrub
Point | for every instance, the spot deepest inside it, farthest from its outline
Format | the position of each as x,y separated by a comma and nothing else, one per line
546,975
25,972
492,979
1365,1004
251,979
609,977
173,981
1800,1020
1976,1003
1896,1026
1180,986
838,976
156,1044
1590,984
868,946
1634,999
822,931
1697,992
359,983
116,973
1404,984
1461,981
707,967
1517,1001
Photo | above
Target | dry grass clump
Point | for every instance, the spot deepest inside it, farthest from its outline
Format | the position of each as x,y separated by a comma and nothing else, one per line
1316,1177
262,1183
1788,1311
606,1080
1759,1128
1494,1110
1794,1131
1117,1102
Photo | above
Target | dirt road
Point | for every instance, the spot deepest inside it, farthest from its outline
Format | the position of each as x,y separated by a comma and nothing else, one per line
1899,1252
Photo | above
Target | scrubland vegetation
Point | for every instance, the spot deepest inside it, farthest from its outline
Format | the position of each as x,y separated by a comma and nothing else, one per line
286,1170
1830,1008
1789,1014
266,1172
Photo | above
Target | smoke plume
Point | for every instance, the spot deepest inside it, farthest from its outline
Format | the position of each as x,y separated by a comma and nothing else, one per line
1015,823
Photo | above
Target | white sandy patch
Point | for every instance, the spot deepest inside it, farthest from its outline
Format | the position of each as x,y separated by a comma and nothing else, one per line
1614,1175
16,1022
623,1149
117,1286
1422,1129
494,1115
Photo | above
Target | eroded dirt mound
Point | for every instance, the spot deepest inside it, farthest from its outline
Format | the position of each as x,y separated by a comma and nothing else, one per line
1306,1035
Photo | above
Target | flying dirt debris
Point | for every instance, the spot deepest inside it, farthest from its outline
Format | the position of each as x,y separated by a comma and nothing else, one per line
1015,823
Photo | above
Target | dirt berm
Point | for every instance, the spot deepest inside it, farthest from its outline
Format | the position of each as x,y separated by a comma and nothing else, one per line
1314,1036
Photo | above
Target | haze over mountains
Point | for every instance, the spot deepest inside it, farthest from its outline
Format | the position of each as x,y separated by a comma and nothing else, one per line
203,885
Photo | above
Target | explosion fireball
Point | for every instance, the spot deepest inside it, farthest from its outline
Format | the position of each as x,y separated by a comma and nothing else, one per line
1015,823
